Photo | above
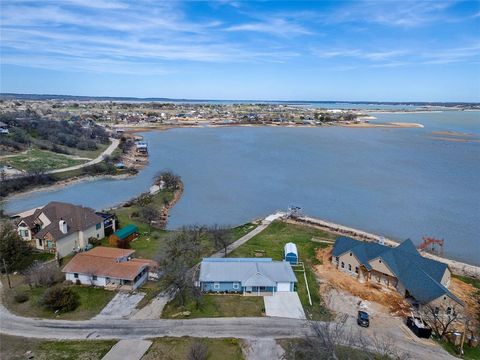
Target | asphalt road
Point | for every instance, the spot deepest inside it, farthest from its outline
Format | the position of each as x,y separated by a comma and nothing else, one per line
108,151
243,328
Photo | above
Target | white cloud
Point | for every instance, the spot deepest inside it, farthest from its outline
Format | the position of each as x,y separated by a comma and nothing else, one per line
278,27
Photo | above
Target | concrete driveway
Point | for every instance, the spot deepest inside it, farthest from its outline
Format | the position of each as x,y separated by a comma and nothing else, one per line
284,304
128,349
121,306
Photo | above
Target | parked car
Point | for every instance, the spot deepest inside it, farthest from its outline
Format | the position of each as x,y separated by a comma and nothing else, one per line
419,327
363,319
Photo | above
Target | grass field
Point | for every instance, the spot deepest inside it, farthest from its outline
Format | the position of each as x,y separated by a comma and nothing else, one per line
474,282
15,348
342,352
218,306
271,242
177,349
91,301
40,160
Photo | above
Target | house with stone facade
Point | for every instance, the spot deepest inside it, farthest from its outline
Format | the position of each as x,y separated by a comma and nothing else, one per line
61,228
423,280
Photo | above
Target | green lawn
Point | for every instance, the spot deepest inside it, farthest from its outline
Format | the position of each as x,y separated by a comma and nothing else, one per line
217,306
35,256
91,301
244,229
14,348
271,242
40,160
474,282
92,154
177,349
469,352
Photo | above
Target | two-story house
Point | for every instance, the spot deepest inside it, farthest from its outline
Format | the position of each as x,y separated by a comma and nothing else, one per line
401,267
61,228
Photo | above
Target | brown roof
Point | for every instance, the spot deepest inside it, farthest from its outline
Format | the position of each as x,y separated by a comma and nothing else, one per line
110,252
77,218
84,263
102,261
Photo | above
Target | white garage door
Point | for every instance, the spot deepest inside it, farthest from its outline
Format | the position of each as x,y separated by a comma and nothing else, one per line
285,286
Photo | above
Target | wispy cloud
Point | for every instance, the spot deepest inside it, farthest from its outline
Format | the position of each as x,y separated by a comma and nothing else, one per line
278,26
116,36
393,13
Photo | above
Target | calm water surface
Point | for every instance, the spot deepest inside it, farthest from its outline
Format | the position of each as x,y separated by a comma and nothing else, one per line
397,182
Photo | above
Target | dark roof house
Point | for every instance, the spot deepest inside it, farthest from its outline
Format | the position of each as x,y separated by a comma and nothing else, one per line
421,277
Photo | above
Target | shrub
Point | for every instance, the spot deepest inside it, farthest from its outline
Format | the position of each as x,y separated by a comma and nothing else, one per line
197,351
40,274
60,298
20,298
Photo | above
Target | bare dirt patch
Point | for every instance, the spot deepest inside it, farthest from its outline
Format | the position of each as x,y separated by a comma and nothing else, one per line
468,294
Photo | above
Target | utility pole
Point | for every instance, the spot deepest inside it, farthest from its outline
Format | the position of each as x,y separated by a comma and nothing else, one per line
6,272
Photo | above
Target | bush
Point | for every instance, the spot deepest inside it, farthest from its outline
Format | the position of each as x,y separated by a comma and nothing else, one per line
60,298
40,274
197,351
20,298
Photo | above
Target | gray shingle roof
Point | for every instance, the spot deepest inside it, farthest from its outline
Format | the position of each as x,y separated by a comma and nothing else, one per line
250,272
77,218
420,276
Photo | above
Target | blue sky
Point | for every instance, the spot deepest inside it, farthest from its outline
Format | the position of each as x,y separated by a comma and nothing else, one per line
318,50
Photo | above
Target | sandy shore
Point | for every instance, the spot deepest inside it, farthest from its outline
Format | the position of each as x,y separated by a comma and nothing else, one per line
391,125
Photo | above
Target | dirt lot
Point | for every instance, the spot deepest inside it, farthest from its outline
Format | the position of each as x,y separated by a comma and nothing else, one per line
468,294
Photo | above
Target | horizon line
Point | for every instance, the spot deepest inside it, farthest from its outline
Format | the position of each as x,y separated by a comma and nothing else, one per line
109,97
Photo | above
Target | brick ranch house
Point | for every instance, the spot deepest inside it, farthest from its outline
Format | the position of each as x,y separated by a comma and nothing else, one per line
401,267
61,228
110,268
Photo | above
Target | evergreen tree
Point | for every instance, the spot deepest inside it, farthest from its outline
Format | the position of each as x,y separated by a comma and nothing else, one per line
13,249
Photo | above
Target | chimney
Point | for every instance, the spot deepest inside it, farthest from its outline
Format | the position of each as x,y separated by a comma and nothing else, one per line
62,224
381,240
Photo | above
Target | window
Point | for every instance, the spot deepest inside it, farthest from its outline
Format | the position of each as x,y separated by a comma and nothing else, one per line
356,269
449,310
94,277
98,226
349,267
350,254
336,259
380,261
437,310
343,265
40,242
235,286
216,285
75,275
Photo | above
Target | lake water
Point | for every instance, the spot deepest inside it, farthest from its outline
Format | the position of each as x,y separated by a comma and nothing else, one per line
401,183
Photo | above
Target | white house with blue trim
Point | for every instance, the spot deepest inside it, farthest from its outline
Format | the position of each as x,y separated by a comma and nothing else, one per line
246,275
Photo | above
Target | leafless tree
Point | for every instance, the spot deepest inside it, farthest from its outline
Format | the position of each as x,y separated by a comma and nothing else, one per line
442,318
198,351
221,237
149,214
40,274
331,340
172,181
